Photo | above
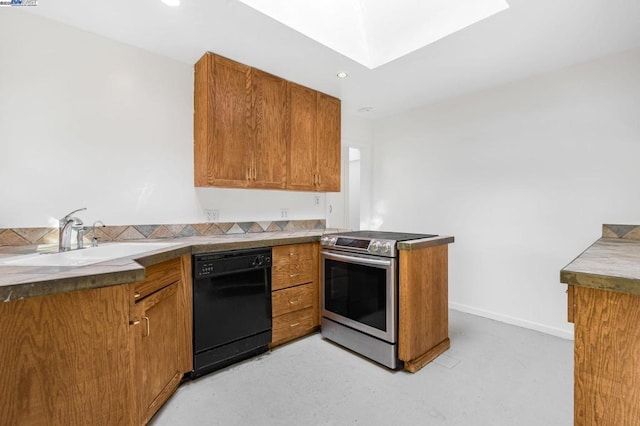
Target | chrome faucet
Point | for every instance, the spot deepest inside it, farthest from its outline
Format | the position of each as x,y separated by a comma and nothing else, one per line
94,240
65,227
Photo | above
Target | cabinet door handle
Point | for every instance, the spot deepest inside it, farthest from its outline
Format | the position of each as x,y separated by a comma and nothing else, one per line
248,175
294,324
255,173
319,179
294,301
146,320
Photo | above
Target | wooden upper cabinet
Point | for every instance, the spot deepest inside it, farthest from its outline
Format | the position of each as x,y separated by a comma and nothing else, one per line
328,143
256,130
222,122
271,121
314,147
302,145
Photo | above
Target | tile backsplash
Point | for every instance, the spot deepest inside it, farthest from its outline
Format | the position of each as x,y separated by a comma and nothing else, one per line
30,236
626,232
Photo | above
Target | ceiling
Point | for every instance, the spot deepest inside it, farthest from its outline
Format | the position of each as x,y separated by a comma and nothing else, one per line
528,38
374,32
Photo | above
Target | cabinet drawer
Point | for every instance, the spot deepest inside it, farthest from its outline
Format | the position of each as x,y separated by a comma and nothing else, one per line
296,273
294,264
295,252
292,325
157,277
292,299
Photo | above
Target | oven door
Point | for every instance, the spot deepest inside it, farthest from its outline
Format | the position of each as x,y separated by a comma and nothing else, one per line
359,291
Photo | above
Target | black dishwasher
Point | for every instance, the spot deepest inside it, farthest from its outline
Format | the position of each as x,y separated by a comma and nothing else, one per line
231,307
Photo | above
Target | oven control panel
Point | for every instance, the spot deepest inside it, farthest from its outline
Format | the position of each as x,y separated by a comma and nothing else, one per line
363,245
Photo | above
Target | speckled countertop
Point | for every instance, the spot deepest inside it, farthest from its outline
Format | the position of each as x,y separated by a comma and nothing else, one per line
18,282
425,242
608,264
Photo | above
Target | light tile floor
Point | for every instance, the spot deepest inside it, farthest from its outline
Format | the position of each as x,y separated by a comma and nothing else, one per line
494,374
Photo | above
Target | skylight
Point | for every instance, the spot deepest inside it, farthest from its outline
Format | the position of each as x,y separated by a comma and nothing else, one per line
374,32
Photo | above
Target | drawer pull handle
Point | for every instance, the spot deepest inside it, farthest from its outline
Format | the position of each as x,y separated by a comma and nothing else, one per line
136,294
134,322
294,301
293,254
294,324
293,275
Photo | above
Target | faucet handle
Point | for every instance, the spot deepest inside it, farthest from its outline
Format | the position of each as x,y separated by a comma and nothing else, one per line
68,216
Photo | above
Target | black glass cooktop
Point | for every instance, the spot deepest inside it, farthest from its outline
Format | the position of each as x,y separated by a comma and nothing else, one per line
383,235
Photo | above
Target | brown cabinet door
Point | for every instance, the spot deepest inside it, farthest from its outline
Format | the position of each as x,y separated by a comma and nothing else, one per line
157,359
328,143
231,148
302,171
271,115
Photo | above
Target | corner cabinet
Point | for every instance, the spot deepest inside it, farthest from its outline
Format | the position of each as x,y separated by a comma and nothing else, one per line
295,297
253,130
101,356
159,357
314,150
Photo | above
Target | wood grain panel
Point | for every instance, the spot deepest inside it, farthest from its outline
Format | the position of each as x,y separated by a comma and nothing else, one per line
607,357
230,154
271,134
294,264
291,326
185,316
328,143
204,111
293,299
302,152
66,359
157,350
158,276
570,303
423,301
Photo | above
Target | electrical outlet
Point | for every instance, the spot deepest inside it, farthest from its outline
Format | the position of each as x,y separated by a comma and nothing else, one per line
284,213
212,215
316,200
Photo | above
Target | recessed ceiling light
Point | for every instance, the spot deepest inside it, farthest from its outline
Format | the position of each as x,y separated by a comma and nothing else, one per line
342,74
172,3
365,109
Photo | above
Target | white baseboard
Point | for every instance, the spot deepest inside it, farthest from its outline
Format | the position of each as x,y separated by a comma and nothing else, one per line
554,331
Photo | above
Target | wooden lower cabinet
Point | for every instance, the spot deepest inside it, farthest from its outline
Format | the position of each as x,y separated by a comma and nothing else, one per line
157,335
103,356
607,357
65,359
423,329
295,296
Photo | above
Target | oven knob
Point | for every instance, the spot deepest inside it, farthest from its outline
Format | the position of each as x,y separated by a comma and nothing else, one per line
386,248
332,241
324,240
375,246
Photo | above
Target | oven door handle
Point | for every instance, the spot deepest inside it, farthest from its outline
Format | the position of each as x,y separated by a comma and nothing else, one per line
357,259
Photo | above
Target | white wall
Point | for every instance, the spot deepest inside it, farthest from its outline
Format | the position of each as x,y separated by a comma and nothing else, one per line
523,176
89,122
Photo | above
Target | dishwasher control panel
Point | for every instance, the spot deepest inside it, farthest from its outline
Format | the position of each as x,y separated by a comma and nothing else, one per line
213,264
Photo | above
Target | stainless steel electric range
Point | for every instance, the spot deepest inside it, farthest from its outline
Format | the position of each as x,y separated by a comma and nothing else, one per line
360,292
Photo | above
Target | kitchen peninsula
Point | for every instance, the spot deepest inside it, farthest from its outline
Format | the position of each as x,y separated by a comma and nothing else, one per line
108,343
604,305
